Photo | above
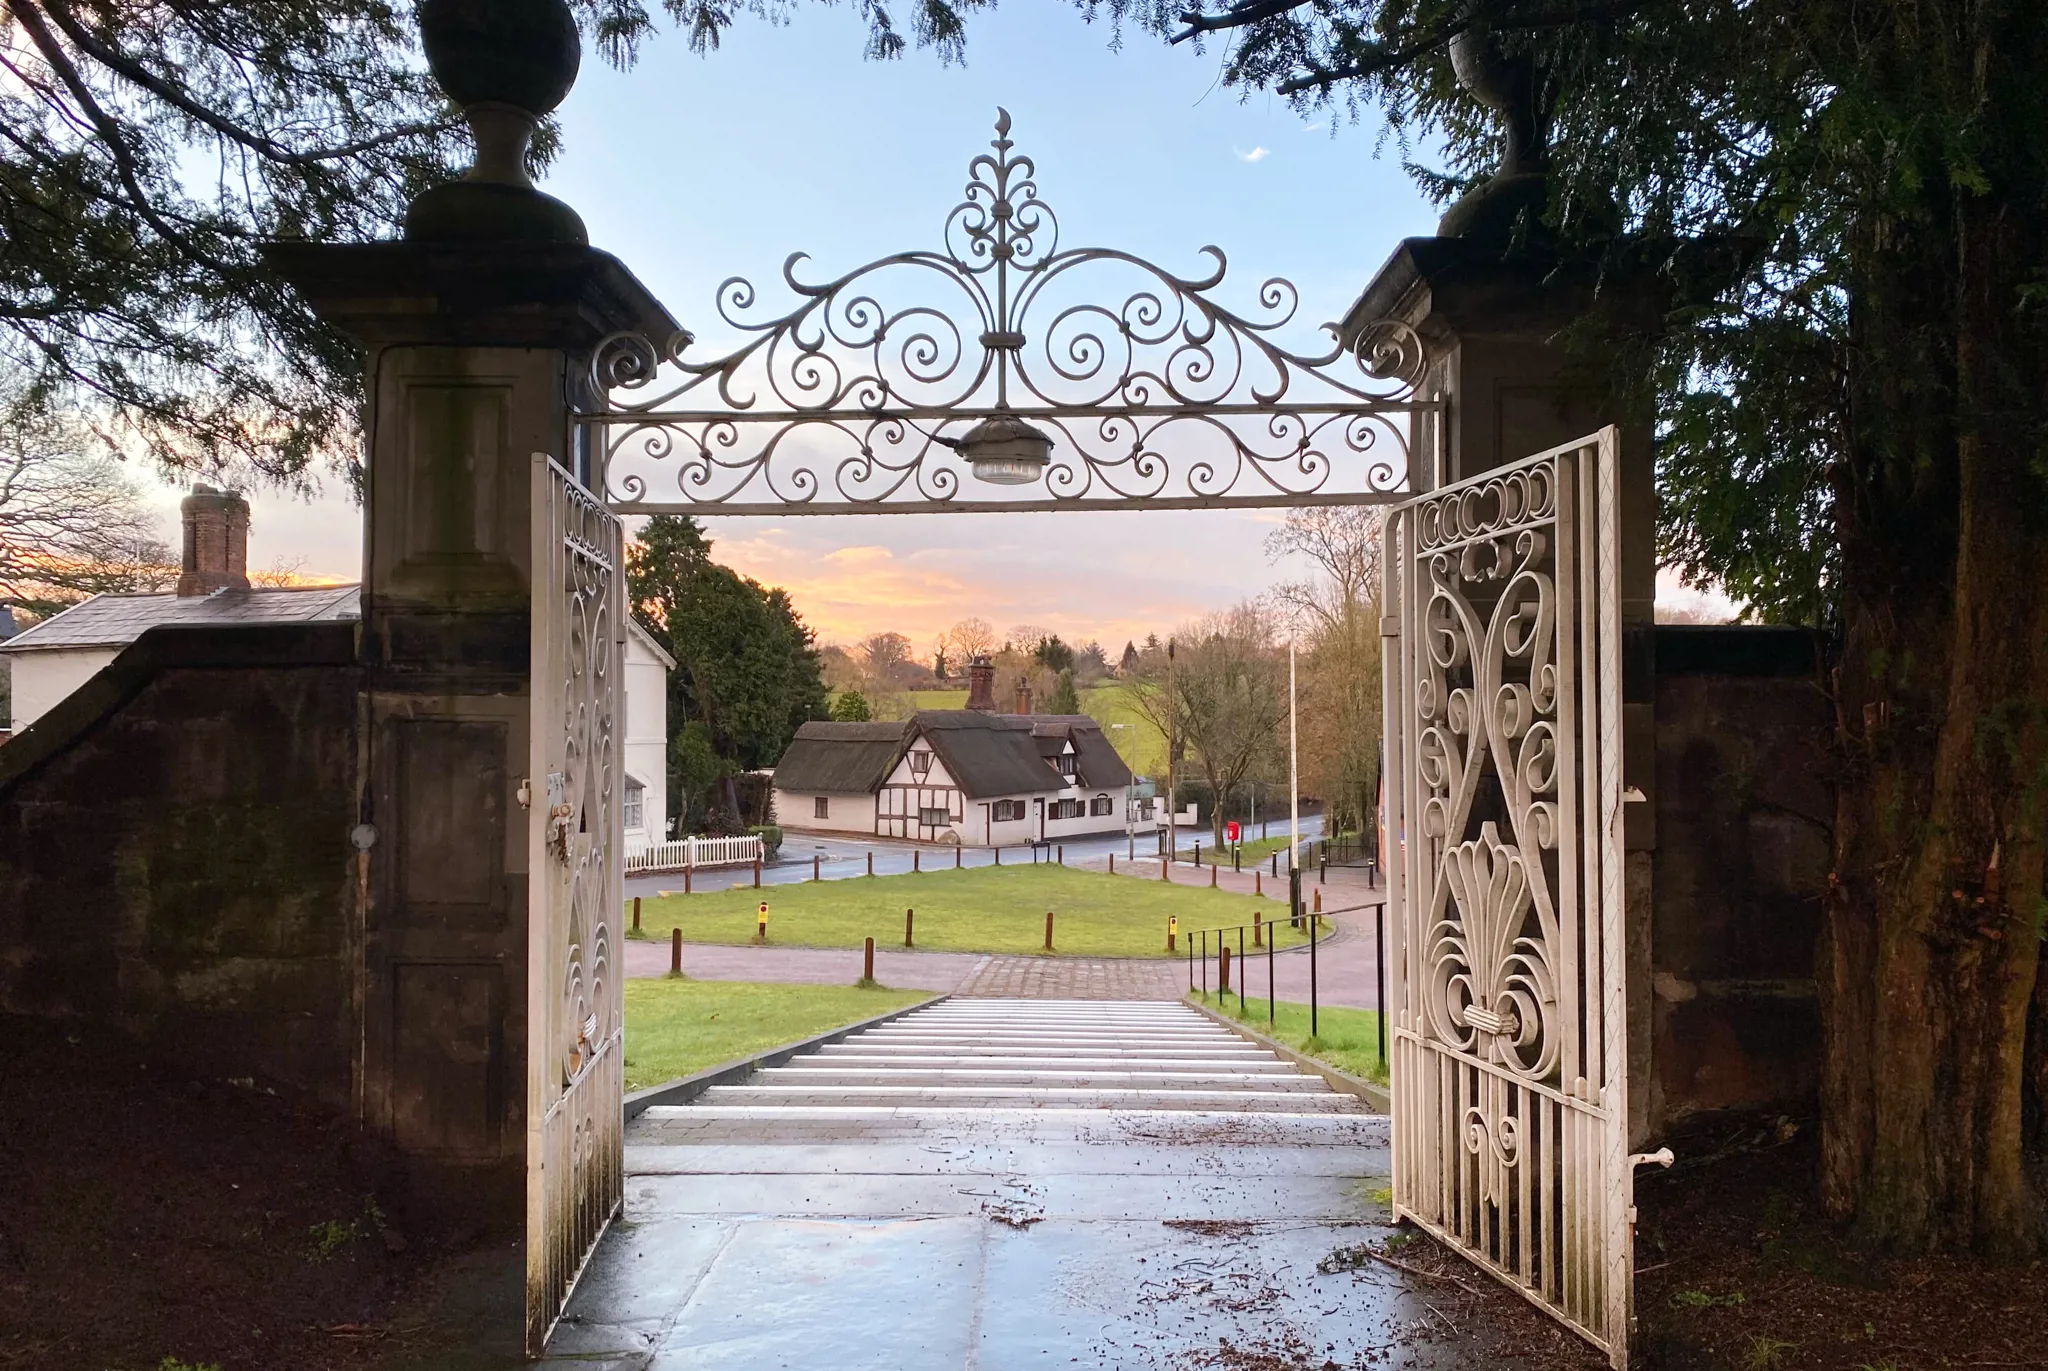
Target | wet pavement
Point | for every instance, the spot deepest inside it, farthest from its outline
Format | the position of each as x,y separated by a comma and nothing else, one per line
997,1184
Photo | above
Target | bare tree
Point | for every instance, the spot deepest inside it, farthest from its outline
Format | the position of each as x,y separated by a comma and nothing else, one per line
1343,542
1227,702
72,522
969,639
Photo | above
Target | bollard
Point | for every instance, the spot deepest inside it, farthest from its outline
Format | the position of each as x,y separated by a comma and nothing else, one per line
1222,969
1276,862
1166,871
871,863
675,952
1236,858
1258,928
1319,900
761,924
915,853
814,870
1112,863
1172,930
1062,851
956,859
686,880
1258,883
909,923
1198,852
636,913
1323,865
867,966
1213,869
757,873
999,856
1048,930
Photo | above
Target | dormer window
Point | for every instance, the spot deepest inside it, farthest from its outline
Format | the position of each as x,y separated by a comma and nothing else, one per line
1067,765
920,763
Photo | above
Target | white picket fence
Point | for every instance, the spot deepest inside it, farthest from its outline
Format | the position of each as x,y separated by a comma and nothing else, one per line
682,853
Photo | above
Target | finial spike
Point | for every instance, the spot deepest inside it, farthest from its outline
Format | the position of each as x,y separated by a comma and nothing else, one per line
1002,122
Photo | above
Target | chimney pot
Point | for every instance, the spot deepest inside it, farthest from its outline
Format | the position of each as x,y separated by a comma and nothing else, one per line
216,542
981,684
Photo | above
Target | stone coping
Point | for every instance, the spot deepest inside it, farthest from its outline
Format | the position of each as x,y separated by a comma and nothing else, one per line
686,1088
1376,1097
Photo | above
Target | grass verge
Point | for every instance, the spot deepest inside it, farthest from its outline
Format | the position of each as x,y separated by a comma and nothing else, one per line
979,909
1348,1038
678,1027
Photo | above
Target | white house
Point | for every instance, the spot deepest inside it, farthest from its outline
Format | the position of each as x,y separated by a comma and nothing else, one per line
959,776
646,744
55,657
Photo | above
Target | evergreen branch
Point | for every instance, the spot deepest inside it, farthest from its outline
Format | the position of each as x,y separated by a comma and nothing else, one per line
1237,16
269,148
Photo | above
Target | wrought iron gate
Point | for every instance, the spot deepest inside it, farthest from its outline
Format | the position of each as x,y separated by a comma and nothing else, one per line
575,1054
1509,1055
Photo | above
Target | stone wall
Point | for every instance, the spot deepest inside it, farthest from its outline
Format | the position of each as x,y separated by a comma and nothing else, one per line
1745,803
174,855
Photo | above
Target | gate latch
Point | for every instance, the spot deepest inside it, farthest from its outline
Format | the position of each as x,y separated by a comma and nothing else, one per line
1661,1157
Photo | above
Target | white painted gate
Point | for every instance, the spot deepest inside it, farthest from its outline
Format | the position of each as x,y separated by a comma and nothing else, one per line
1507,978
575,1121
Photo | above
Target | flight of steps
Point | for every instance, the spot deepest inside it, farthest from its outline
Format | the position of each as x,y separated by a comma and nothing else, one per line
1037,1054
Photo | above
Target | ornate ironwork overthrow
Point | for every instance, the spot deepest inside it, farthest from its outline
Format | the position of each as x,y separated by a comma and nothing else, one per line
1125,385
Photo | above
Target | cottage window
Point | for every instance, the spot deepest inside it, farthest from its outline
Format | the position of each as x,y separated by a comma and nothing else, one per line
1007,811
636,805
934,818
821,808
1067,766
920,763
1066,809
1102,805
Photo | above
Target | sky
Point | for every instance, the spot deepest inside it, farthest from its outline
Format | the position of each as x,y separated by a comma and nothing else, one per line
695,169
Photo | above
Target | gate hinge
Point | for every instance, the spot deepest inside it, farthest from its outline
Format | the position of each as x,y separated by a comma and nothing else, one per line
1390,626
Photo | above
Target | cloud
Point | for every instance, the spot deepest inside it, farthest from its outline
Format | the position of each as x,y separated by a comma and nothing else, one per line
1257,154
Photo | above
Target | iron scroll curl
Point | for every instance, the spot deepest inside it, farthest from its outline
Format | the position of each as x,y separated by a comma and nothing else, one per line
1149,389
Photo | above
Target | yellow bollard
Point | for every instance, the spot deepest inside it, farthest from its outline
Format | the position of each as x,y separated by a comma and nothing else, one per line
761,924
1172,930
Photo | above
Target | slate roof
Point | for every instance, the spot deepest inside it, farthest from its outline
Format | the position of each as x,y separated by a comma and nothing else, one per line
118,620
841,759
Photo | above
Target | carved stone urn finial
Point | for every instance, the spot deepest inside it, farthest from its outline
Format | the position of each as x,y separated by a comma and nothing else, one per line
508,63
1507,85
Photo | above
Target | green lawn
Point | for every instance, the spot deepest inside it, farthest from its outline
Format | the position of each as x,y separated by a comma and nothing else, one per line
979,909
676,1028
1348,1041
1253,853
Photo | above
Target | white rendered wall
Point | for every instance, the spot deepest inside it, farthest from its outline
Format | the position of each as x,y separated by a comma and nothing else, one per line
646,743
41,679
849,813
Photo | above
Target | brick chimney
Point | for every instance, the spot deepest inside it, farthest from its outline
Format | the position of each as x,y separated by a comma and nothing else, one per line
216,542
1023,696
981,684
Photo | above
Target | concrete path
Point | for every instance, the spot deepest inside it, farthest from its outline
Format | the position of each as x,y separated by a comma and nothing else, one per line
997,1184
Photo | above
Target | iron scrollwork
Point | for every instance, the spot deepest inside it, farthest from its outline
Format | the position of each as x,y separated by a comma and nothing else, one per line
856,399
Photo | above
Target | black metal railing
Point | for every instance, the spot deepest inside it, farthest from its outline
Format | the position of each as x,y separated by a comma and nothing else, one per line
1204,943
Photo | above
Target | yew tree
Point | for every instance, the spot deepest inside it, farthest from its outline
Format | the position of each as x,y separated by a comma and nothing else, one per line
1844,204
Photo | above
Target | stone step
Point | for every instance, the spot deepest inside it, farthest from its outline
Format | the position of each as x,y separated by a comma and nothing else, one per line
1004,1062
1033,1097
817,1078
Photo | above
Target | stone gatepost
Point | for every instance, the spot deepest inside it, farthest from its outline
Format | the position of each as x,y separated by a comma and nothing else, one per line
1495,326
476,329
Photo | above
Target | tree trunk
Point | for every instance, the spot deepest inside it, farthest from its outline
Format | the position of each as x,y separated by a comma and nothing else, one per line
1931,962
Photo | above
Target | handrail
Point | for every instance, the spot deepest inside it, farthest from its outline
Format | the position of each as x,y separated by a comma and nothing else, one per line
1297,914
